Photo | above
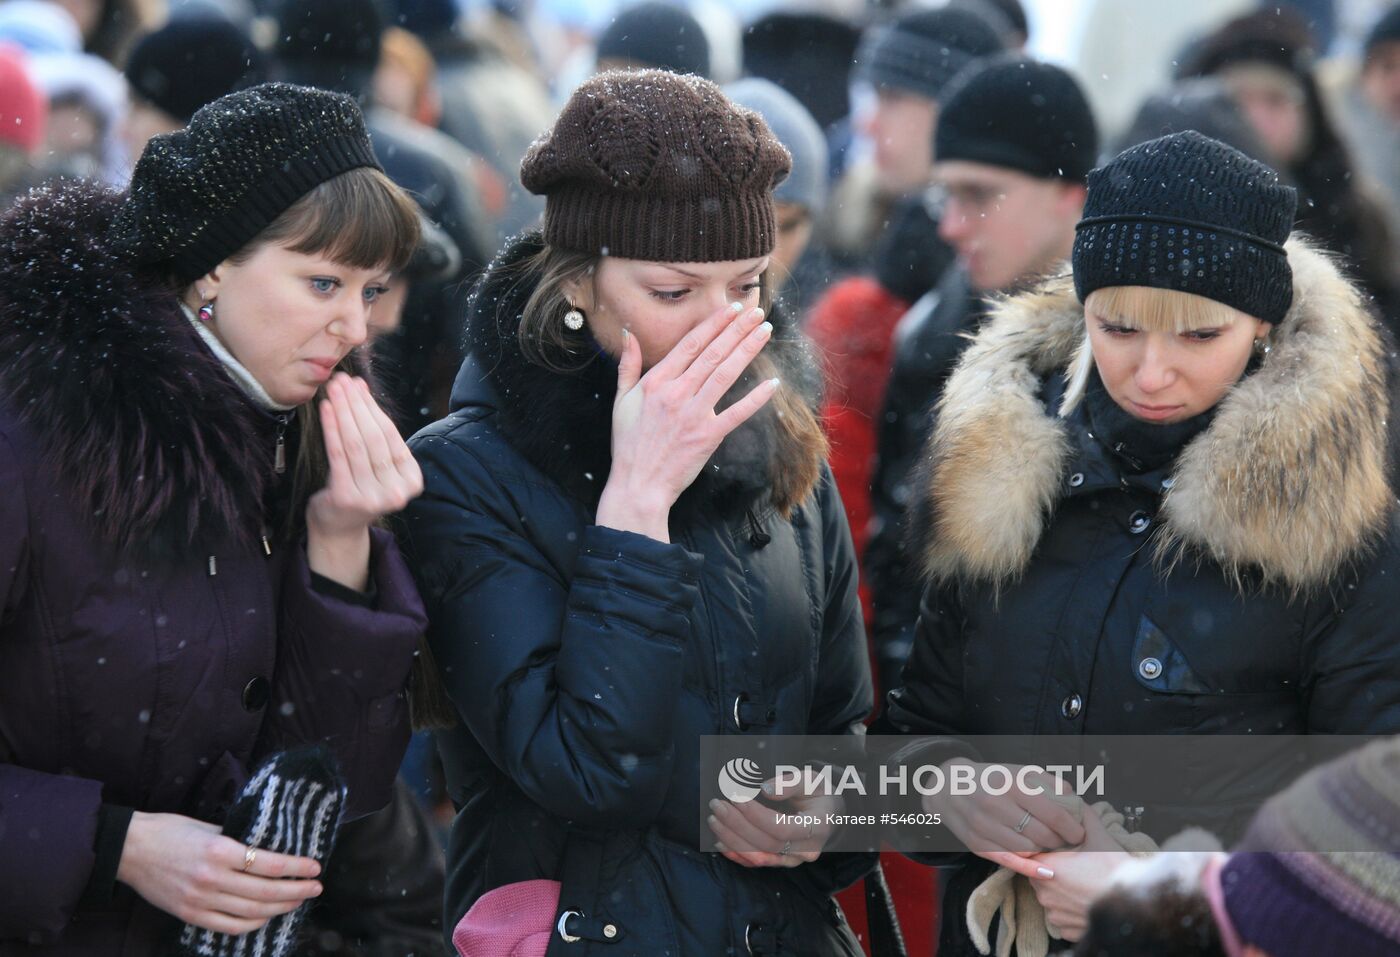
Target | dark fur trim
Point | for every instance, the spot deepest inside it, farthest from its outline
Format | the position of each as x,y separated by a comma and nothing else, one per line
562,422
1166,921
156,442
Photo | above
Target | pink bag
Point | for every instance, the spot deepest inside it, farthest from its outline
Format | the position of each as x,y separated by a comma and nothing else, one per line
515,920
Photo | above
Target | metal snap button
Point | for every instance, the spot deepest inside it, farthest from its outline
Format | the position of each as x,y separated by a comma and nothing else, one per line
1139,522
1150,668
256,694
1076,480
1071,706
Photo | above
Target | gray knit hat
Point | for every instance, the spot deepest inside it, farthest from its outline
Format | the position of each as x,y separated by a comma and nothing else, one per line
795,128
921,51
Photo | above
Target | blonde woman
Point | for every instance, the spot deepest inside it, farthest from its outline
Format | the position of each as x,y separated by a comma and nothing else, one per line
1156,500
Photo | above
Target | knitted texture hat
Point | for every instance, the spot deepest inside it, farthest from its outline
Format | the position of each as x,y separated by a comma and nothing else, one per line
23,109
291,805
190,62
656,166
921,51
657,35
794,127
331,44
1318,871
1018,114
1386,30
202,193
1189,213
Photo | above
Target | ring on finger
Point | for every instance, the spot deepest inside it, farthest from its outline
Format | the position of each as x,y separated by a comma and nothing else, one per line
250,854
787,849
811,829
1024,821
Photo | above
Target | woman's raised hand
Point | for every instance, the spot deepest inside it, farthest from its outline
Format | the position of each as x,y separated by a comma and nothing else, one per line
665,427
372,474
188,869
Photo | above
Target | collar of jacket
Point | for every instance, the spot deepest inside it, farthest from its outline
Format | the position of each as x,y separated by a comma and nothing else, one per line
1288,484
156,442
562,422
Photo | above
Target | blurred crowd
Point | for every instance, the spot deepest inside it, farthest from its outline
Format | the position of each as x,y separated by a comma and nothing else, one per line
939,159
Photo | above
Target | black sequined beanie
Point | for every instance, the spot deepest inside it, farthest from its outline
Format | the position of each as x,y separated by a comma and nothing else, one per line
656,166
1189,213
202,193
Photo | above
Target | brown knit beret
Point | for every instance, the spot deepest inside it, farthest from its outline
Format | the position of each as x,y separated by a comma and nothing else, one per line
656,166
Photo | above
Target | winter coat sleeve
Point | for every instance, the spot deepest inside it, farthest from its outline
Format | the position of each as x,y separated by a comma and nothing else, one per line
568,679
48,822
342,672
1353,661
843,695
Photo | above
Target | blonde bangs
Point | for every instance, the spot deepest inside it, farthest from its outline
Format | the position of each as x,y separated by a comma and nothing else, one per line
1159,310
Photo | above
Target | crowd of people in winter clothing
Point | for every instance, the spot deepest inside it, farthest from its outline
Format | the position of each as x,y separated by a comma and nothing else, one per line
422,422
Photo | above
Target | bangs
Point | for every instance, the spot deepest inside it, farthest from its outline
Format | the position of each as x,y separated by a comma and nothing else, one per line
359,219
1159,310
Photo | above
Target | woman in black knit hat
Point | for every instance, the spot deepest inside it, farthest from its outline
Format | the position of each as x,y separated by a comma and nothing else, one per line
1155,500
629,539
190,570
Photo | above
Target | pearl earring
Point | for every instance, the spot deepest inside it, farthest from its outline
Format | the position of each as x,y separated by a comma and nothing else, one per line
1262,346
573,318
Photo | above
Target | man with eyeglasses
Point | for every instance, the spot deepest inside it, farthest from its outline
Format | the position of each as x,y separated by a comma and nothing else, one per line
1013,145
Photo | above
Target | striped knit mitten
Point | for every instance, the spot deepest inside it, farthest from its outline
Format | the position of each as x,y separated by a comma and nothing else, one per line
291,805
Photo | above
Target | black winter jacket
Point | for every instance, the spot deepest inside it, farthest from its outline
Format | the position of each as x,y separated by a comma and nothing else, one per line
1056,606
929,340
587,662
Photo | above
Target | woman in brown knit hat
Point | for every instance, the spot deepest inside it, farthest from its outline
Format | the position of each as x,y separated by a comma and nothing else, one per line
630,539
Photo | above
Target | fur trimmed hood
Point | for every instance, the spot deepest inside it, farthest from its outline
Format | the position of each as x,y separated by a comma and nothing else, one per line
561,422
1289,482
101,366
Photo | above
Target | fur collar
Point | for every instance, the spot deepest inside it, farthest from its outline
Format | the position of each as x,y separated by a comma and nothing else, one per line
157,444
561,422
1288,483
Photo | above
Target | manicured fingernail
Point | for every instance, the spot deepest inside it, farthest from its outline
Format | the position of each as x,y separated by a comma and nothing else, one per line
757,312
711,820
720,847
714,804
774,383
736,307
766,328
769,788
626,335
1045,872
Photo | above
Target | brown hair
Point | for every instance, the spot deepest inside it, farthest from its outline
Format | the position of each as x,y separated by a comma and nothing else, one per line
800,445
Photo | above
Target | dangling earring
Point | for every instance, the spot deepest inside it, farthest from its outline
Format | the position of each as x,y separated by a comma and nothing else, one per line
573,318
206,312
1262,346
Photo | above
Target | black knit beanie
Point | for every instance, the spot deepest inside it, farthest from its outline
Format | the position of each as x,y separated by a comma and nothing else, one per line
202,193
1386,30
657,35
657,166
1019,114
190,62
331,44
1189,213
921,51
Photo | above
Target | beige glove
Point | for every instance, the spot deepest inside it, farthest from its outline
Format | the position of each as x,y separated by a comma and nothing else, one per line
1023,923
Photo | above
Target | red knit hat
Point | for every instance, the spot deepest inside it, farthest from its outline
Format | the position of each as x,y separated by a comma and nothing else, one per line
23,110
